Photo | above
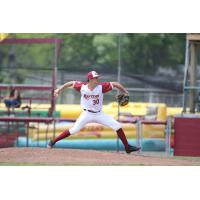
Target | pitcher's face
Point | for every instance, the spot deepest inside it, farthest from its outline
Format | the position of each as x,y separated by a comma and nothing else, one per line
95,80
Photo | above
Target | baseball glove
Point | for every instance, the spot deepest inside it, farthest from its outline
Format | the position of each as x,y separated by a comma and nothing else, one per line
122,99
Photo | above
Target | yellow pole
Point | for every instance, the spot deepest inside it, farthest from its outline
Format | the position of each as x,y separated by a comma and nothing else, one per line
3,36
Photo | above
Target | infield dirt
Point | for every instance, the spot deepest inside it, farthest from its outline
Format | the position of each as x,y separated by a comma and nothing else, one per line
42,156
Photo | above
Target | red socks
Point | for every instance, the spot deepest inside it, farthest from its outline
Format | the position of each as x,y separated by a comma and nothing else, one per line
64,134
122,137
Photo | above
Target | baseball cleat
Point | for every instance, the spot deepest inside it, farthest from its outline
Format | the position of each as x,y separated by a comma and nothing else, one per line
50,144
132,148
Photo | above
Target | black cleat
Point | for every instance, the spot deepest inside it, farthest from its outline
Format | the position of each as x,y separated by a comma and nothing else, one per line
132,148
50,144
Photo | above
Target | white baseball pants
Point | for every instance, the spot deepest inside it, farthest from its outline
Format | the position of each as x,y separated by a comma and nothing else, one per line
100,117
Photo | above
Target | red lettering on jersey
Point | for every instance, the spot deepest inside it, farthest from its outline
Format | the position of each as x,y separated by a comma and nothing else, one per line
86,96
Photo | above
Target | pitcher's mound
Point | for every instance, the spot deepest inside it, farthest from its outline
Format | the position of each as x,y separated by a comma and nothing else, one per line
42,156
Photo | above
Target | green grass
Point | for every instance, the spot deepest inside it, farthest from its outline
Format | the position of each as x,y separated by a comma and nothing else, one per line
186,158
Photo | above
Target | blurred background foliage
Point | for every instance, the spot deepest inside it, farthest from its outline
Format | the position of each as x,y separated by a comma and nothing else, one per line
141,53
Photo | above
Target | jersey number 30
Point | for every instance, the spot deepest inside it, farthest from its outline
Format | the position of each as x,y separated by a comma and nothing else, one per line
96,101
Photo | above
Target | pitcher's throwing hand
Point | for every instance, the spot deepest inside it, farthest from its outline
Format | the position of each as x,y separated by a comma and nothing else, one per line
56,92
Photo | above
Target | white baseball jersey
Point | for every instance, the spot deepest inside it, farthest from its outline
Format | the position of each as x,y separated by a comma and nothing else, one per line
92,99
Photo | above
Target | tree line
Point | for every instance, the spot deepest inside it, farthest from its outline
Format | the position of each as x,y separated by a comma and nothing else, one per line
141,53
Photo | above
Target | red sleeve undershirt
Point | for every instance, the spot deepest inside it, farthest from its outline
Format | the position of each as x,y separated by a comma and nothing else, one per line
77,85
106,87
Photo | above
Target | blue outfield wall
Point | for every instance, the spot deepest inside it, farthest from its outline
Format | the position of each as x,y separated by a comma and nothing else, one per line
95,144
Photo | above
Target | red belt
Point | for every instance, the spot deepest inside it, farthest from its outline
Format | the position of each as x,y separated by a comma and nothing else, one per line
91,111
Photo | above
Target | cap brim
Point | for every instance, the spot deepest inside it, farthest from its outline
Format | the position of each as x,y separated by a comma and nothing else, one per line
94,77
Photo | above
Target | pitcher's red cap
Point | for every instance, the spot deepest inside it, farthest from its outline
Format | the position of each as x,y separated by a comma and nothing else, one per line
92,75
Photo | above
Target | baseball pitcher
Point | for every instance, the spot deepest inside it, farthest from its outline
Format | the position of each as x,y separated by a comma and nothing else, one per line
92,93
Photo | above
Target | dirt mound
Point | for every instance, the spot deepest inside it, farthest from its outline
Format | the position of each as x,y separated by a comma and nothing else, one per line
42,156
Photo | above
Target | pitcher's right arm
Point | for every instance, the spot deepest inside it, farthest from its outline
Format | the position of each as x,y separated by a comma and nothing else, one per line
66,85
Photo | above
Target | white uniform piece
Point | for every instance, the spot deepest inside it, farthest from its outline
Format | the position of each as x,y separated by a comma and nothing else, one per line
92,101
